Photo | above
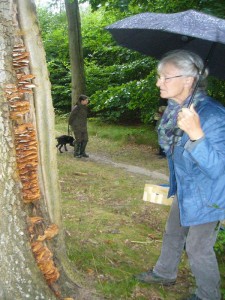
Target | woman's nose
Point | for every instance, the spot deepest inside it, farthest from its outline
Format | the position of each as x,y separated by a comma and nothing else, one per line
158,82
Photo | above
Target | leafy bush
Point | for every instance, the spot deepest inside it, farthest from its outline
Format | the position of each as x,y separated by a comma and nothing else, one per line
55,39
112,105
99,78
216,89
111,54
60,77
220,242
131,102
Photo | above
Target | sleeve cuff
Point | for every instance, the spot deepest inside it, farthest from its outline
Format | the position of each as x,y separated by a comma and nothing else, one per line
191,144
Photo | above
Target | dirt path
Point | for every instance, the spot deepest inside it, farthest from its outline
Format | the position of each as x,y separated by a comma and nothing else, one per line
130,168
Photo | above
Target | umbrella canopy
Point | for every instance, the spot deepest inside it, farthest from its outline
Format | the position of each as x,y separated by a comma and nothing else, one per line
154,34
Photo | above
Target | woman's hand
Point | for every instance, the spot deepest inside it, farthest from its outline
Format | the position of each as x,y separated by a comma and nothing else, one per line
188,120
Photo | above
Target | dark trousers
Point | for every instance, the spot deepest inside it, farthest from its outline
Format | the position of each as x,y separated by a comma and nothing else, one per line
198,241
81,136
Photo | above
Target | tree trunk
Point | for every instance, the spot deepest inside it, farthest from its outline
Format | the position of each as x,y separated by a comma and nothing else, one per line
30,215
75,49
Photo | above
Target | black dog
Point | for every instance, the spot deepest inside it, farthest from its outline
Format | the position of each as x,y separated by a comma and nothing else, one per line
63,140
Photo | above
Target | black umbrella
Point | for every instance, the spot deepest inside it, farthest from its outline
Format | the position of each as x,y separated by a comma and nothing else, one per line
154,34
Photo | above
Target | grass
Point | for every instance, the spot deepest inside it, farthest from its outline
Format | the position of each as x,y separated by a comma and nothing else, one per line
125,134
111,233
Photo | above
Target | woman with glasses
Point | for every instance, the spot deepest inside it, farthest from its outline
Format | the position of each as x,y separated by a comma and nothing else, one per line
196,162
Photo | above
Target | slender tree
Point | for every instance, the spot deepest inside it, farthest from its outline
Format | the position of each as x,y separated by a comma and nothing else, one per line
75,49
33,260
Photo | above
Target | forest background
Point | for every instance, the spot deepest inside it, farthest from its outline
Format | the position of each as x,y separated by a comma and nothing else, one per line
120,82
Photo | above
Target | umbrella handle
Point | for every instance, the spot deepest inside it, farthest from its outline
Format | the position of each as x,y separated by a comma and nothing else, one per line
177,131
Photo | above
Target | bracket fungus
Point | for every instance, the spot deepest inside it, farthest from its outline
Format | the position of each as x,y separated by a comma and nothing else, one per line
26,148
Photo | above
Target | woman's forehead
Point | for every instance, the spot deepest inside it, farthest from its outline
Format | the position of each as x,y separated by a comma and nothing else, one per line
168,68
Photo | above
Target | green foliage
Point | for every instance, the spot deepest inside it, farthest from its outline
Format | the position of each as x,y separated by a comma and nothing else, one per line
220,242
60,77
216,8
163,6
98,45
110,55
119,5
115,76
131,102
120,82
55,38
216,89
93,31
100,78
111,105
54,34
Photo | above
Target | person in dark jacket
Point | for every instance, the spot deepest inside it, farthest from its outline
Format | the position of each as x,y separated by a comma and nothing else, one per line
197,175
78,122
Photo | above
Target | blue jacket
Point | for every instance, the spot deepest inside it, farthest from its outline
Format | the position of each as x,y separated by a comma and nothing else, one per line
197,169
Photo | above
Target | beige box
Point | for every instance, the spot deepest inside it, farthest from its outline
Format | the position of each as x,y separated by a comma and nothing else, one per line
157,194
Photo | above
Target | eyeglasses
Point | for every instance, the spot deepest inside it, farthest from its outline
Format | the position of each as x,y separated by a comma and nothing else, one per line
166,79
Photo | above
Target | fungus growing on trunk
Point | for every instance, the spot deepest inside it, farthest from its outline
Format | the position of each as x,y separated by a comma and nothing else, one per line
26,148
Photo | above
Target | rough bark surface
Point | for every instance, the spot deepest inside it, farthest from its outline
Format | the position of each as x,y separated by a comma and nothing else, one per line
75,49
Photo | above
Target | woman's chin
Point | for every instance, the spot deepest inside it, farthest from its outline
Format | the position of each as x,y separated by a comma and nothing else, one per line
163,94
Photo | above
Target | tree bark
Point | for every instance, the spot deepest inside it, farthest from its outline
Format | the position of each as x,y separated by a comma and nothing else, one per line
75,49
22,279
32,250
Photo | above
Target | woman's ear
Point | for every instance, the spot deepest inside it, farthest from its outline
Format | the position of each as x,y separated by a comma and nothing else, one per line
189,81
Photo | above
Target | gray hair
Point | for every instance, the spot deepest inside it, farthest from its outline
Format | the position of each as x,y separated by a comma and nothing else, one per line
189,63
